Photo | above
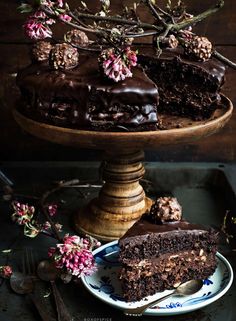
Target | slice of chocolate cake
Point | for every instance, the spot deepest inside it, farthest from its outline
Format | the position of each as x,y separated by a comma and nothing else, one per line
161,250
186,87
83,98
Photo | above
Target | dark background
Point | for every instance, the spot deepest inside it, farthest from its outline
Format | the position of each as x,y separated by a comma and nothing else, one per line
15,144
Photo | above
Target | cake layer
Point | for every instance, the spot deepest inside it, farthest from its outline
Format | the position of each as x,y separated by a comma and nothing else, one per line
136,290
168,264
186,87
83,98
146,240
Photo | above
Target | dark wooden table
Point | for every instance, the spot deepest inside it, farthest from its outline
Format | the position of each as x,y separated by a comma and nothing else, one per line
15,144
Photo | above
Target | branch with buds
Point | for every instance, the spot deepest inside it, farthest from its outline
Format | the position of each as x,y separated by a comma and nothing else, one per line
172,26
72,255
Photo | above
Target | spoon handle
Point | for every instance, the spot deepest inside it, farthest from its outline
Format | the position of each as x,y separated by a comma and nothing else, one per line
62,311
140,310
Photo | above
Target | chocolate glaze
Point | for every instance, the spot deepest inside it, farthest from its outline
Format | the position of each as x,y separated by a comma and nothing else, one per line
84,97
212,67
144,227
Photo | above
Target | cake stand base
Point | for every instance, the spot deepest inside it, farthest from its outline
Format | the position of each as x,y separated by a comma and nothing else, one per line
121,200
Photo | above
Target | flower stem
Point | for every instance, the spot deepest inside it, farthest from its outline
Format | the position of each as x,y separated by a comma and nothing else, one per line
199,17
154,12
118,20
44,198
225,60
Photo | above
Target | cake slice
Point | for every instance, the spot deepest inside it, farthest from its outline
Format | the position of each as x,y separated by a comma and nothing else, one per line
162,250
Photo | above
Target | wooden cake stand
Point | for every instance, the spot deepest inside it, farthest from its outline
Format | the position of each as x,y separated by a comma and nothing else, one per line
122,200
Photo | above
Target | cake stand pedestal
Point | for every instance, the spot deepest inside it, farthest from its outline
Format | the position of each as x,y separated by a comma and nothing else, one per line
122,200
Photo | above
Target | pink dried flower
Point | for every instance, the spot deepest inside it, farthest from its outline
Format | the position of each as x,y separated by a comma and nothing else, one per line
23,213
46,226
58,226
117,66
64,17
60,3
37,30
52,209
37,26
5,271
74,255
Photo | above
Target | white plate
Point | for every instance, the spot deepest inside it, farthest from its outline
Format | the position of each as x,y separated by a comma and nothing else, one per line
104,284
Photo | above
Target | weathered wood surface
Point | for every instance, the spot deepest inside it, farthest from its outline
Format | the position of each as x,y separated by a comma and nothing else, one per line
15,144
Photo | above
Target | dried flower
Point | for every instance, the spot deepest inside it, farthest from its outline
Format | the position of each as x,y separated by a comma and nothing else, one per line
5,271
52,209
117,65
74,256
173,41
37,26
23,213
31,230
60,3
64,17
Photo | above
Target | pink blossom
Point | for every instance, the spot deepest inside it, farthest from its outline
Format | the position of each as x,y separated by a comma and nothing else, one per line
5,271
37,30
52,209
60,3
23,213
64,17
117,65
37,26
74,255
39,14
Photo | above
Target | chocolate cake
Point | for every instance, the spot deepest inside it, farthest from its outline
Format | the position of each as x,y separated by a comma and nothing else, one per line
83,98
161,250
186,87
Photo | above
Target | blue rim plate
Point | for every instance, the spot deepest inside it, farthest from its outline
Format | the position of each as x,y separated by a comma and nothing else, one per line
105,285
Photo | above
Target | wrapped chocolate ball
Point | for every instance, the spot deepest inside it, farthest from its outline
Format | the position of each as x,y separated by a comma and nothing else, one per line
77,38
199,48
64,56
165,209
41,51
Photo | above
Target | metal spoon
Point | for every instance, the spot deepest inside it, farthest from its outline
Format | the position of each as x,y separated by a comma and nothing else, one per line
186,288
47,272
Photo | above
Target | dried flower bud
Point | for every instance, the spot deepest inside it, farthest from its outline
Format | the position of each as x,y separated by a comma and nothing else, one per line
77,38
64,56
199,48
173,41
41,51
5,271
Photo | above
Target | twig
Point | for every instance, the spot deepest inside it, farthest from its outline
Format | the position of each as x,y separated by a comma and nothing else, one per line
118,20
198,18
53,15
46,195
154,12
225,60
